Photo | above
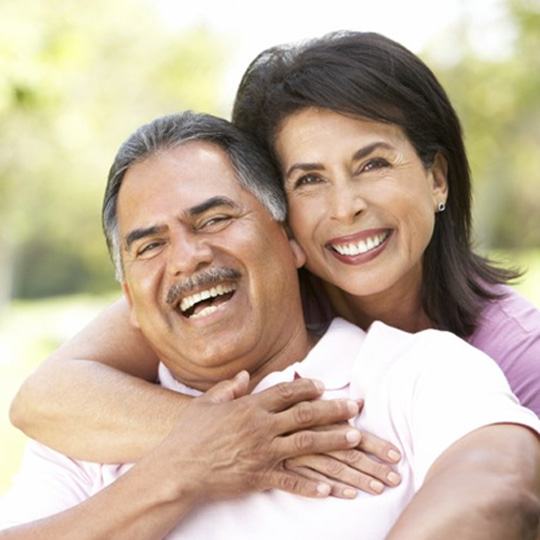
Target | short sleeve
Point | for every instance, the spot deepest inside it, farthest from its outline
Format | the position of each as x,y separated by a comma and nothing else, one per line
509,332
47,483
457,390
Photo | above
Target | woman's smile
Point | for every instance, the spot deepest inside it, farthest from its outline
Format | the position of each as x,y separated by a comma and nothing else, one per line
361,202
360,247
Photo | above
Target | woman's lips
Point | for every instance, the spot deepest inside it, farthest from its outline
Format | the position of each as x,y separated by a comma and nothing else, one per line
360,247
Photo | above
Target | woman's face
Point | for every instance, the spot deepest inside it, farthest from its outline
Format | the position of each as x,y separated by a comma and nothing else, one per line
361,203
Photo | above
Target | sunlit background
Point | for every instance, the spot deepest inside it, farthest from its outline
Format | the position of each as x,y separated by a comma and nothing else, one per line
77,77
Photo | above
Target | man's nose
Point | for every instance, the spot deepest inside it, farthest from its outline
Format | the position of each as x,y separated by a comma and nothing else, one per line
346,201
188,253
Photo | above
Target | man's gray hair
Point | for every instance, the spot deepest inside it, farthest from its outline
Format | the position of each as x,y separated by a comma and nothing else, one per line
253,168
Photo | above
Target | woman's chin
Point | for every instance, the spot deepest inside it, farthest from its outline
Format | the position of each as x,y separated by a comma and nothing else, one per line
358,286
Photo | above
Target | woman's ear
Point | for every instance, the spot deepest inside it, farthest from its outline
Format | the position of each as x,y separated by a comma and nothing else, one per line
439,177
298,253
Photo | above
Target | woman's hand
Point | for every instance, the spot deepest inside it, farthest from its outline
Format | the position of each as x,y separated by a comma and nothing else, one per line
367,467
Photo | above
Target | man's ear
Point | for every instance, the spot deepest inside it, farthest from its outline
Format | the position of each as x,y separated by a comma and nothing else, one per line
439,175
298,253
132,317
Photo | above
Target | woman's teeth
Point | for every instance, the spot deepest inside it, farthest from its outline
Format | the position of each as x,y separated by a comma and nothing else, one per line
362,246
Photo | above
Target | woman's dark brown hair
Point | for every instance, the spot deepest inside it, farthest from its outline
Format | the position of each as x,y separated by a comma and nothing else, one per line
367,75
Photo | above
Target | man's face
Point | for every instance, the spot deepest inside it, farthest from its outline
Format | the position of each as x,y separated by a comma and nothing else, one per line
210,276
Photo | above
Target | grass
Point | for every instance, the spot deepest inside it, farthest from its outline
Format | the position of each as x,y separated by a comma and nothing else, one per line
30,330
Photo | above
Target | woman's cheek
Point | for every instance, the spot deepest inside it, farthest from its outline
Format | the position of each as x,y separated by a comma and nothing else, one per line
305,213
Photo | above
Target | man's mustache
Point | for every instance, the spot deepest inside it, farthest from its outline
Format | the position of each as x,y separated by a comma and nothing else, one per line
203,279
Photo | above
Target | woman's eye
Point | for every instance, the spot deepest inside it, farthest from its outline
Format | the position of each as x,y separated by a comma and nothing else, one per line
375,163
307,179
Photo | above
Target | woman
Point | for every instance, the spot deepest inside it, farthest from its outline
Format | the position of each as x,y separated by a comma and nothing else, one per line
378,186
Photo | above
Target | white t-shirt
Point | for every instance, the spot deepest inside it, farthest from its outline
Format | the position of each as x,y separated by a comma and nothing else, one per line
422,392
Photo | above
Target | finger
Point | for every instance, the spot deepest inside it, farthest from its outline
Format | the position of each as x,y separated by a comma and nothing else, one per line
338,470
283,395
385,451
314,442
229,389
338,489
355,459
320,413
298,484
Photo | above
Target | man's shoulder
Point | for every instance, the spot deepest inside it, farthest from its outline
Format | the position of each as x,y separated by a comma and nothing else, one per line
425,354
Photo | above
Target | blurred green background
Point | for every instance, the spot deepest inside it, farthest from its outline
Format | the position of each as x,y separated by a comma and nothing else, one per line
76,78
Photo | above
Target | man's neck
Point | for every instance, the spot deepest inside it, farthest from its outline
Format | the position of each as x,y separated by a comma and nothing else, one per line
278,349
294,350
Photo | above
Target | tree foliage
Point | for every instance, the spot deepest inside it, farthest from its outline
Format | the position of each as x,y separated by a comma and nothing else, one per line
77,78
499,103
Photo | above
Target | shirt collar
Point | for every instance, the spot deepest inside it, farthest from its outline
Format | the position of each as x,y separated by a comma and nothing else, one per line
331,361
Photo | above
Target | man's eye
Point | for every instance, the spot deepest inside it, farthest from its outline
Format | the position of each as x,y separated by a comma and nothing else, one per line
307,179
375,163
147,248
214,221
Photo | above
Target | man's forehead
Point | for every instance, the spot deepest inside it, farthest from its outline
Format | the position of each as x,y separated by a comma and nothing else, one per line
182,180
195,169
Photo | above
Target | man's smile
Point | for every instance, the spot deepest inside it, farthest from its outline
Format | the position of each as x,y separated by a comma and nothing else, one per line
206,301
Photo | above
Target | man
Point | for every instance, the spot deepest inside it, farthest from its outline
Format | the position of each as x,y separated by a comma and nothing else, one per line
210,276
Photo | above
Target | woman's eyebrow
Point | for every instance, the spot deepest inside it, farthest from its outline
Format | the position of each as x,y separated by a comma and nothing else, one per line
304,167
359,154
368,149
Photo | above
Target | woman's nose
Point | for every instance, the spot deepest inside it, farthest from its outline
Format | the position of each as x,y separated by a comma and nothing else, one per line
347,201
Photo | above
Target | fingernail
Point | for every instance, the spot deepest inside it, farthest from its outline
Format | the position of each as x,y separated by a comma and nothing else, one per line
242,375
376,486
394,455
349,493
393,478
352,436
352,407
319,385
323,490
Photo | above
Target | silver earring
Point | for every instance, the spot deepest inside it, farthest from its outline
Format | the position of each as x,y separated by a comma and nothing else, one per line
441,207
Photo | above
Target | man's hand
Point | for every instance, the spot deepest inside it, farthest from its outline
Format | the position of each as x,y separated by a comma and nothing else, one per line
232,443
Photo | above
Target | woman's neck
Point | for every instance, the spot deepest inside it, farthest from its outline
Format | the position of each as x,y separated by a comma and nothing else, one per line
400,306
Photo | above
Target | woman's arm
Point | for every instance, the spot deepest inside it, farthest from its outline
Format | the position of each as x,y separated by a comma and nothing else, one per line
485,487
94,399
79,397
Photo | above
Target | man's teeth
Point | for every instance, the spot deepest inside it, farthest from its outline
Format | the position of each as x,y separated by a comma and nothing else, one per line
362,246
218,290
205,311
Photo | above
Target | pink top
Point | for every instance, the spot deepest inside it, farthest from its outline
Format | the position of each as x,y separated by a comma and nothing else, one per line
508,331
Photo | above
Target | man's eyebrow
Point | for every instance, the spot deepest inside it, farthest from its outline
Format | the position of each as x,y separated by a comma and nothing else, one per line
137,234
359,154
210,203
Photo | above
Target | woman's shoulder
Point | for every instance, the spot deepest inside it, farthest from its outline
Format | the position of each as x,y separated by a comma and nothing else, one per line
509,331
510,312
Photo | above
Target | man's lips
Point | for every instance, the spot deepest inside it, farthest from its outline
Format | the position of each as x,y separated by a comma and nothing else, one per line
206,301
206,282
359,247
